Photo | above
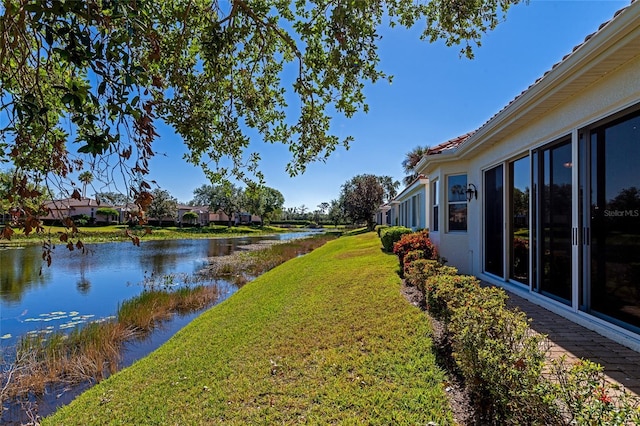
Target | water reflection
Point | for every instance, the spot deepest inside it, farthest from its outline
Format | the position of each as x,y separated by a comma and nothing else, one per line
94,283
19,271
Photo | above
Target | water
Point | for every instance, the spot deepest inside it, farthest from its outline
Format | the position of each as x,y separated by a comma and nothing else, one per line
79,288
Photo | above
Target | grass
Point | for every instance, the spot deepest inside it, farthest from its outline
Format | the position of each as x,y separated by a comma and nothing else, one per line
98,234
324,338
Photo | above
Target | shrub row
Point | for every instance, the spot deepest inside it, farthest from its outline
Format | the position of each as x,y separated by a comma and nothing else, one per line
501,360
391,235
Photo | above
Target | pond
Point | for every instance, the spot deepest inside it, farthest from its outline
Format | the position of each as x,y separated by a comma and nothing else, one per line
79,288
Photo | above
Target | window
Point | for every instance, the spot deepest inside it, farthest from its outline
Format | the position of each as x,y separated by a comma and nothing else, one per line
414,213
519,182
493,221
435,196
457,199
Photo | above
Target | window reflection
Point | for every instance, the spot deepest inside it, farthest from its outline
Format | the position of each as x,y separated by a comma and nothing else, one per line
457,198
615,220
519,179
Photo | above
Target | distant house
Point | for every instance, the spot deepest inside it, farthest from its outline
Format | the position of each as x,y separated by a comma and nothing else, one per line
383,216
544,198
70,207
202,212
220,218
409,207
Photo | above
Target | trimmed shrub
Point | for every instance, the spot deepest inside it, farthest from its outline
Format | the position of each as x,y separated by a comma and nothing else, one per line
415,241
380,228
500,359
389,236
445,293
585,396
418,271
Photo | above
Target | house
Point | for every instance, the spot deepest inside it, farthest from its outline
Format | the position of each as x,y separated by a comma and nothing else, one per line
409,208
383,215
544,198
70,207
202,212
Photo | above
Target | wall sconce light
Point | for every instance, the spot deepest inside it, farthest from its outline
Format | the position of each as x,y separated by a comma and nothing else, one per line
472,192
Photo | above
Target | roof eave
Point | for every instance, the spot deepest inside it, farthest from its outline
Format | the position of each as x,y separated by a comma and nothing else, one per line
612,45
607,48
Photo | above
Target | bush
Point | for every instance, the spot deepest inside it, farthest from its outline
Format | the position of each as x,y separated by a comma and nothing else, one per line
584,396
379,229
445,293
389,236
500,359
81,219
418,271
415,241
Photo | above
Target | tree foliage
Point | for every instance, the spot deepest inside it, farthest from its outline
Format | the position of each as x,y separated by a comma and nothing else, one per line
84,84
263,201
225,197
411,160
163,206
336,212
112,198
361,196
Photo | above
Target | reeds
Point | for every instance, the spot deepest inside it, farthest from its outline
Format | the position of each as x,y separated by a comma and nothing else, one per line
92,353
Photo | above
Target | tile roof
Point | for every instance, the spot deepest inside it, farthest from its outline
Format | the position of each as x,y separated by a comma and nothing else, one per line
457,141
450,144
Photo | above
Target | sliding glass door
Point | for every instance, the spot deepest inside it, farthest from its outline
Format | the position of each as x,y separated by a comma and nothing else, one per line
494,221
553,226
612,220
519,184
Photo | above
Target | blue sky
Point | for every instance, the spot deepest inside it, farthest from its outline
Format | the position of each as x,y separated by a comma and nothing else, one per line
436,95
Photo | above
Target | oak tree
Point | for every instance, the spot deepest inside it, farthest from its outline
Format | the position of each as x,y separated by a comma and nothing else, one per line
84,84
361,196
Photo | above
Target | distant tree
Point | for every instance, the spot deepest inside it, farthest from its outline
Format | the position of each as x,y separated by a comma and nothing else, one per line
226,198
361,196
411,160
108,213
112,198
336,212
86,178
190,217
389,186
324,207
626,199
264,201
162,206
12,205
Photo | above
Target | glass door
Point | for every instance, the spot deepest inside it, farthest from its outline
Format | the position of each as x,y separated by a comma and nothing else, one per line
494,221
519,183
612,287
552,226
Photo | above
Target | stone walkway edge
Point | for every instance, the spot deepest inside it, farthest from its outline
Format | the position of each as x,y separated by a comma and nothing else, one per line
621,364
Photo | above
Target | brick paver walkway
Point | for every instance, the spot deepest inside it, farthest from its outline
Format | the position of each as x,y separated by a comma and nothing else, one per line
620,363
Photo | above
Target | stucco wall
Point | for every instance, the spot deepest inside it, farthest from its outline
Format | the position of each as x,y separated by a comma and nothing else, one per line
620,90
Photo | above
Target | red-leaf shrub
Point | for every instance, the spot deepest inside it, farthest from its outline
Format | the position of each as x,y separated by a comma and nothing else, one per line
415,241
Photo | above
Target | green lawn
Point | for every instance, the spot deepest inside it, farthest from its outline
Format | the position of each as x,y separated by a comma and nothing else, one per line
97,234
325,338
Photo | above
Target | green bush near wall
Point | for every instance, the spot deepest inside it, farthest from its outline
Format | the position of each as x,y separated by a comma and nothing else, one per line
389,236
503,363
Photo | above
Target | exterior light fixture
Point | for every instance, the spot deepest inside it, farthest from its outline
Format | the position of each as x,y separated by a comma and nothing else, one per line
472,192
